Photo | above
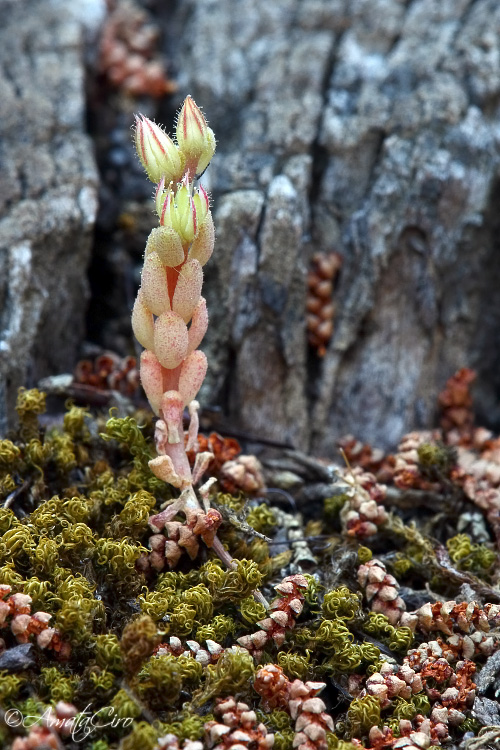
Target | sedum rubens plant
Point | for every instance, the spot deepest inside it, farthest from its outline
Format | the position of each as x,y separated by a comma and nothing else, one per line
170,317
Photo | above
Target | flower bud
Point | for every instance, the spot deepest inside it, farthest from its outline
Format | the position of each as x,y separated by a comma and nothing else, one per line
196,140
159,155
180,215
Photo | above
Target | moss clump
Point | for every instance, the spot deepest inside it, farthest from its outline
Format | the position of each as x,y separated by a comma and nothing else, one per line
364,554
251,611
341,604
294,665
468,556
233,674
217,629
262,519
108,653
58,687
333,505
138,641
363,714
30,405
398,639
436,458
10,686
162,678
231,585
126,431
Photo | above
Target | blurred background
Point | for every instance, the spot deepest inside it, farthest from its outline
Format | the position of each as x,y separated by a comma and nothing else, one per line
355,192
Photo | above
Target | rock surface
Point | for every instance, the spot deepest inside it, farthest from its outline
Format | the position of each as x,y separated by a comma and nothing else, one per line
48,194
370,128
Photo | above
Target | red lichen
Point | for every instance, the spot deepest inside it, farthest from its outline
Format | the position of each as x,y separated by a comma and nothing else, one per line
319,304
181,536
362,513
15,610
127,53
237,728
283,612
109,372
455,401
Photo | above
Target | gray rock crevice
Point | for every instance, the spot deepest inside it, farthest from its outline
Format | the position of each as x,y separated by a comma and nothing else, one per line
48,195
390,111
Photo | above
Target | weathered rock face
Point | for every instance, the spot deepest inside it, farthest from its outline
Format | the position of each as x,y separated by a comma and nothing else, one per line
368,127
48,194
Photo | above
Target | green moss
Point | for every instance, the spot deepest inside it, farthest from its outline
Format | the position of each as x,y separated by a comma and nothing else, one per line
143,736
30,404
163,677
436,457
401,565
363,714
75,422
233,674
10,455
364,554
341,604
62,451
333,505
132,521
7,485
294,665
398,639
59,686
235,503
262,519
124,706
126,431
10,686
119,557
217,630
251,611
402,709
334,743
231,585
108,654
190,728
468,556
138,642
283,739
16,544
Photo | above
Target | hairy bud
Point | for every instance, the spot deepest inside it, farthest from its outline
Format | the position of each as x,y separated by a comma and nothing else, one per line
196,140
159,155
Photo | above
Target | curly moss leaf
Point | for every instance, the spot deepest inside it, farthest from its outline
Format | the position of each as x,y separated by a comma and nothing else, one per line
75,422
138,641
251,611
126,431
108,654
143,736
160,681
10,686
217,630
262,519
191,728
363,714
233,673
125,707
294,665
30,404
10,454
59,687
341,604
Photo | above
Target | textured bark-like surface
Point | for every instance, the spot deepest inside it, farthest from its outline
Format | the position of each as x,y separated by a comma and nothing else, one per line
369,127
47,194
